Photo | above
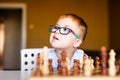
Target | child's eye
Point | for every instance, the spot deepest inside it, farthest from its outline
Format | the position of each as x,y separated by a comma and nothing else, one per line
64,30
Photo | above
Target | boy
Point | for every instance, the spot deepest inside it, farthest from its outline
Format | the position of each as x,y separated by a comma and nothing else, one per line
67,35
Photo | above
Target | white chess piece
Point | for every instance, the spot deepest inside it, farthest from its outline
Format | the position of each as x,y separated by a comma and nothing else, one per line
87,68
68,64
81,64
92,65
45,68
112,67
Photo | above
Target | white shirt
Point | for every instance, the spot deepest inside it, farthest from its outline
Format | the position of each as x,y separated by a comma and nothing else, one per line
77,55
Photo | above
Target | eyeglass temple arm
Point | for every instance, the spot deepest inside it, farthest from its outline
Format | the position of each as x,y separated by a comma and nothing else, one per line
75,34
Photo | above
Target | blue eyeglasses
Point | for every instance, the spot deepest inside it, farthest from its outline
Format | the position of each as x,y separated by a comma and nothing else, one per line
62,30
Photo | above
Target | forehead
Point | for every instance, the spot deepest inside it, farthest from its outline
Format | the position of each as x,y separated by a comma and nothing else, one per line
66,22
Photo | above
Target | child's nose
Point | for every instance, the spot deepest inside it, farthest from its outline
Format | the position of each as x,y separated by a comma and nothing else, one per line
57,31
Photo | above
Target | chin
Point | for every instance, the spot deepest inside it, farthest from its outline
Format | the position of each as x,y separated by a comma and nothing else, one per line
56,46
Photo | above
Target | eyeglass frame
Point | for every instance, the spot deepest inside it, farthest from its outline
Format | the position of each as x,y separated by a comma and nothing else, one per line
59,28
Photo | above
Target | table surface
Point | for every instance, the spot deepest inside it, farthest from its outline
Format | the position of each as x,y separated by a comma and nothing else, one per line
14,75
20,75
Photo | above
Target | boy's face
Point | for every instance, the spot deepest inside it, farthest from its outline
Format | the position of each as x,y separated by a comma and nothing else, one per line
58,40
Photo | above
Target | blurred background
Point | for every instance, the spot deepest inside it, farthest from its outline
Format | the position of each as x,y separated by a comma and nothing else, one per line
25,23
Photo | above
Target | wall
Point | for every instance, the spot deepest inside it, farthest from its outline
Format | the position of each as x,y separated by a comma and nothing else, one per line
114,24
42,13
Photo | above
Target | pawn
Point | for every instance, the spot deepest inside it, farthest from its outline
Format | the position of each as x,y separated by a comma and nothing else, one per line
59,67
84,59
97,63
63,56
68,65
81,65
50,66
91,64
76,68
64,71
87,68
118,66
38,72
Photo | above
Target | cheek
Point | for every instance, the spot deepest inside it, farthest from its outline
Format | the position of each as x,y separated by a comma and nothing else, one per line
50,38
68,40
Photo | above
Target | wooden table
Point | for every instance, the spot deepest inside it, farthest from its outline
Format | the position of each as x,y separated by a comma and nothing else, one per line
80,77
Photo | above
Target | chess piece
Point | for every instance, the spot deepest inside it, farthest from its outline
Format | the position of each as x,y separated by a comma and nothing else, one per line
84,59
87,68
59,67
103,60
112,67
45,67
81,64
38,60
76,67
118,66
97,65
63,56
68,65
91,64
64,70
50,66
38,71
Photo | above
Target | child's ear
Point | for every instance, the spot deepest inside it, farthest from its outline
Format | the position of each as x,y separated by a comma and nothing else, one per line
77,43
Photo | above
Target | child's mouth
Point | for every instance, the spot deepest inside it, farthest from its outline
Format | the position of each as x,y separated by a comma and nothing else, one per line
55,38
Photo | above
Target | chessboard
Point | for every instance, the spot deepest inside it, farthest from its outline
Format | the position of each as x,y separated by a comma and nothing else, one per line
83,69
53,76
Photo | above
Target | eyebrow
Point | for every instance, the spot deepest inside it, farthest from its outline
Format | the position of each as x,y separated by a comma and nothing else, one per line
63,26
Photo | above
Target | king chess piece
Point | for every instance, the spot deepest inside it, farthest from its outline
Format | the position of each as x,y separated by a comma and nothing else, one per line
103,60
